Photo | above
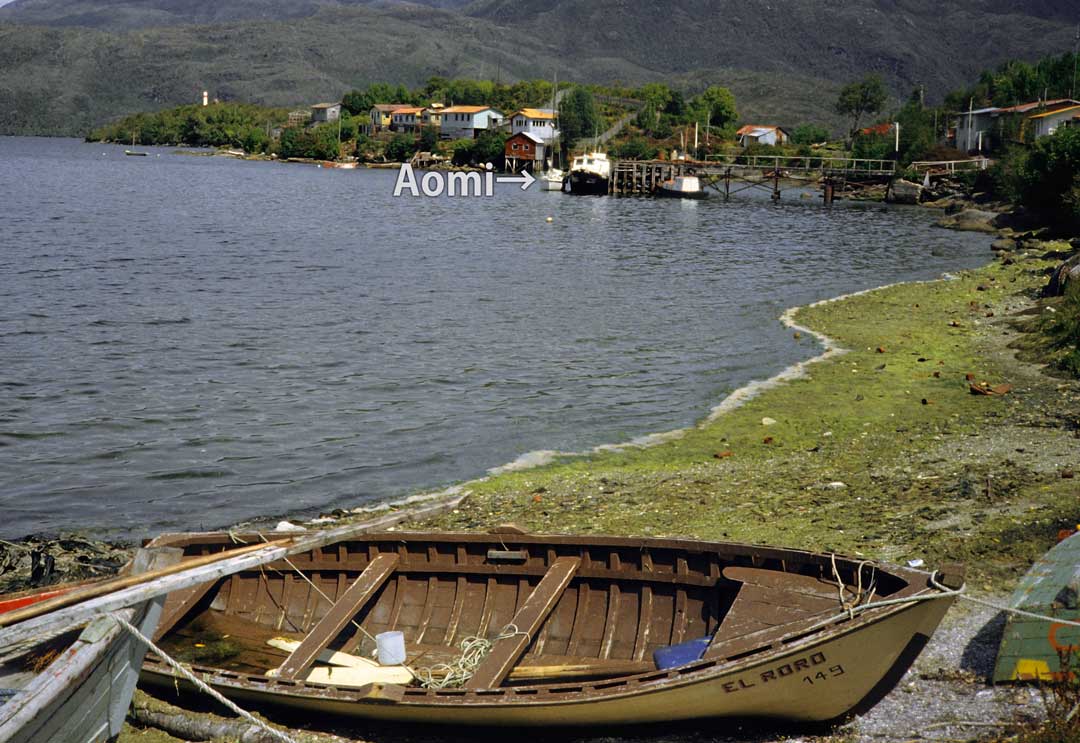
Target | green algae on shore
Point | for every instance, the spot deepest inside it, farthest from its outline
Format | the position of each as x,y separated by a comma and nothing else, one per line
880,451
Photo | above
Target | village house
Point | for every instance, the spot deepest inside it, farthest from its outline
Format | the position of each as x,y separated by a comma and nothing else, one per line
758,134
540,122
524,151
408,119
1045,123
465,122
381,114
985,129
433,114
322,113
975,128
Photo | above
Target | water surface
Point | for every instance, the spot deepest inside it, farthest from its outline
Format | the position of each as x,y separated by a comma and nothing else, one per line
189,342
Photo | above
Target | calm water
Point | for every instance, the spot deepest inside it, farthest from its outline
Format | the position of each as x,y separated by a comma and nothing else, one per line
189,342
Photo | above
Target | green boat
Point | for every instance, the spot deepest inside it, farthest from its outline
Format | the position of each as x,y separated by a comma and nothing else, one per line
1030,648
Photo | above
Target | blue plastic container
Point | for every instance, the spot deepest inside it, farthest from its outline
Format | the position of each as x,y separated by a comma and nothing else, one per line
684,652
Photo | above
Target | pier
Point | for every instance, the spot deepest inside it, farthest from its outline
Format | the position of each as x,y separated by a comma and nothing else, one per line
729,176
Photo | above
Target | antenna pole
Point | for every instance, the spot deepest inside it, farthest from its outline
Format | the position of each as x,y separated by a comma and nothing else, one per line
1076,47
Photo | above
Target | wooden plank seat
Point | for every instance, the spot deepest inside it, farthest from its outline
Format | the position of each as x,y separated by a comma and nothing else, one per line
770,605
508,649
358,594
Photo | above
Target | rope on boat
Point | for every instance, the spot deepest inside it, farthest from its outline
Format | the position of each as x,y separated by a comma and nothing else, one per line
199,683
944,592
850,606
473,651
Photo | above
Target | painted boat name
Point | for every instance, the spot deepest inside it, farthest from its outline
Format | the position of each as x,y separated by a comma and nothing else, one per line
785,670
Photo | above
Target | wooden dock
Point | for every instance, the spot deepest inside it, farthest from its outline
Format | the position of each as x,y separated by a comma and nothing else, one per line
729,176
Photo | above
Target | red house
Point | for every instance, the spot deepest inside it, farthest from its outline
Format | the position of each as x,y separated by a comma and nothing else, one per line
523,151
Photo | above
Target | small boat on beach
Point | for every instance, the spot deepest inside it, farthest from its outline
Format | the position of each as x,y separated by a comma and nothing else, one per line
1031,648
74,684
70,655
682,187
515,629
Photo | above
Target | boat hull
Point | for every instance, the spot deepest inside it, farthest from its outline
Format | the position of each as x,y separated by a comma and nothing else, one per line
853,680
672,193
84,693
802,659
587,184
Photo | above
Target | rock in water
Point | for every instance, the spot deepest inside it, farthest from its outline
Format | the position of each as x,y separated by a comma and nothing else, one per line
977,220
904,192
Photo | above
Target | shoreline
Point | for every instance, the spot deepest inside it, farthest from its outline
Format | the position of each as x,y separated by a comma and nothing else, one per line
509,492
537,459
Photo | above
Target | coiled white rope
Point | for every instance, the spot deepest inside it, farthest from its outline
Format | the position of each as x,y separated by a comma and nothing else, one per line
457,672
199,683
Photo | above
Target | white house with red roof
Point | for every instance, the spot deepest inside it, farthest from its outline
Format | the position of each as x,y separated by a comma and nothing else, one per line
760,134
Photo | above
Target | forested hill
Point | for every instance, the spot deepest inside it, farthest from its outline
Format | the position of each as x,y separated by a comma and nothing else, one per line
86,61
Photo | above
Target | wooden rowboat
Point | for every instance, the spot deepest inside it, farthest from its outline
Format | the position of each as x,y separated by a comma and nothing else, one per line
574,623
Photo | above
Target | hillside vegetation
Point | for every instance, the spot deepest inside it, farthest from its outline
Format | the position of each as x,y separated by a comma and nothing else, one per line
100,59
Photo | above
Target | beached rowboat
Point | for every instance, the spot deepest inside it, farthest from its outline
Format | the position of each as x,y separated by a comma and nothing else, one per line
74,686
574,624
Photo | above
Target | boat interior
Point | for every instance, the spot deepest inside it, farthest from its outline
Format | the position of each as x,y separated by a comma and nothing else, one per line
553,608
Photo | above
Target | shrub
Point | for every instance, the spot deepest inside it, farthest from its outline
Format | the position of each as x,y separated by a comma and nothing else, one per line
1062,331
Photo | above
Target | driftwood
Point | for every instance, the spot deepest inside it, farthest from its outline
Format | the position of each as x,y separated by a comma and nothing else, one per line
149,711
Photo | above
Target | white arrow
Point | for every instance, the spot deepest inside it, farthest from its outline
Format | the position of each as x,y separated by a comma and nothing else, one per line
525,179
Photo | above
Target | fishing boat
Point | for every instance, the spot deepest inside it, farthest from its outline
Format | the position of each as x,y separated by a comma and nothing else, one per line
589,174
73,685
514,629
682,187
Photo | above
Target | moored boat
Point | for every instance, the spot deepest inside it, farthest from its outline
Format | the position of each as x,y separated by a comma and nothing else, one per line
575,631
589,174
682,187
551,179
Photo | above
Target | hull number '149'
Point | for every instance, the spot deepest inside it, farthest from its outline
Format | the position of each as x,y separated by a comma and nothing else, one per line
792,668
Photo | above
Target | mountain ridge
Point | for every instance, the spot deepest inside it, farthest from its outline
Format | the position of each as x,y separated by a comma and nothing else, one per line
784,59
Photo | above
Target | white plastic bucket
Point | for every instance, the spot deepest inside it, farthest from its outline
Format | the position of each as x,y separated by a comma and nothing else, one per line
390,648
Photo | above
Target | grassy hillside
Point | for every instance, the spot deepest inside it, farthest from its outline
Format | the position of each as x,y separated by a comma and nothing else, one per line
784,63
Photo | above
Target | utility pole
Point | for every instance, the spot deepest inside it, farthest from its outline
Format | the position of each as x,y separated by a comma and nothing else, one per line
971,108
1076,47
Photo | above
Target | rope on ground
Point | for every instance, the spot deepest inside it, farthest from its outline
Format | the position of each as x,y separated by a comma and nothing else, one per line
457,672
199,683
